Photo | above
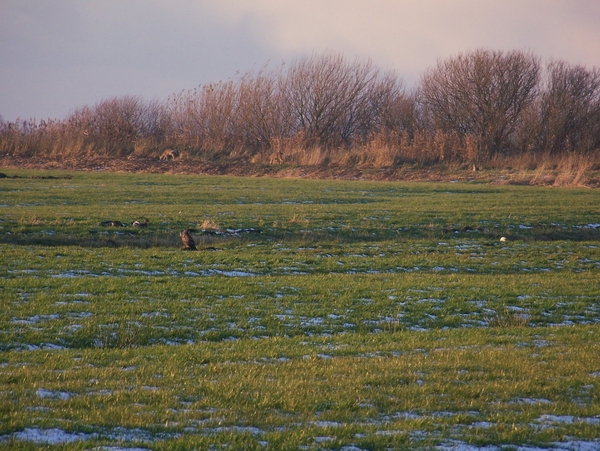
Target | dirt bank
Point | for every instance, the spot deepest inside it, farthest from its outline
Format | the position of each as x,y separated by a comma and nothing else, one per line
242,168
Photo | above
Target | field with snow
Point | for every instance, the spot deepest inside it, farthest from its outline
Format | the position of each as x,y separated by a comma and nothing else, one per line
345,315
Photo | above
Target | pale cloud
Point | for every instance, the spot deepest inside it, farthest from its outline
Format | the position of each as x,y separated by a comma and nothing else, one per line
409,35
56,56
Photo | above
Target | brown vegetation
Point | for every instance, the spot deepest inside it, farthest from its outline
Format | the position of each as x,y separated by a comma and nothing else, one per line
325,116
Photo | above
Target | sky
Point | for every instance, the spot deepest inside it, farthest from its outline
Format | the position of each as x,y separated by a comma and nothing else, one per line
60,55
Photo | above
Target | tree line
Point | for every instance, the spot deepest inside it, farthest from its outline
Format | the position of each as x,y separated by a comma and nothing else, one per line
469,108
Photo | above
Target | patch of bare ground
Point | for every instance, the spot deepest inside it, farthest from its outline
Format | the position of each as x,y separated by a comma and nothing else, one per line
437,173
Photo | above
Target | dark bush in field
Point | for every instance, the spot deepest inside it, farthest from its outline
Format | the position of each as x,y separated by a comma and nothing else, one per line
485,107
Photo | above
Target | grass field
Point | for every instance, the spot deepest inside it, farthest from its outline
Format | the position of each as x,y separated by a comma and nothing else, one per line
363,316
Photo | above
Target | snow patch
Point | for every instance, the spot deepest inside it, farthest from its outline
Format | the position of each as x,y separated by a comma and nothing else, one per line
49,436
43,393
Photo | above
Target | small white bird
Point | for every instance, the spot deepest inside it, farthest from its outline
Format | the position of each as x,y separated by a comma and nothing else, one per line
503,239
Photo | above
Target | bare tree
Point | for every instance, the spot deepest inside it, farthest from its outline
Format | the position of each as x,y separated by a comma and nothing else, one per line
262,115
202,118
155,121
481,93
376,108
116,123
329,97
570,109
398,114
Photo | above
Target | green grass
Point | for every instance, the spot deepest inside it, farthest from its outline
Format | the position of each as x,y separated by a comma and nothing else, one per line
372,315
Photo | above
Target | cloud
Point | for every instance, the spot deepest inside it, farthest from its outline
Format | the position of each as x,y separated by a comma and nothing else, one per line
56,56
410,36
61,55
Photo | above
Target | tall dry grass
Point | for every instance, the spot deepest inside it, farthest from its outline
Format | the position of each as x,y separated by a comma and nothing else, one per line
573,169
545,168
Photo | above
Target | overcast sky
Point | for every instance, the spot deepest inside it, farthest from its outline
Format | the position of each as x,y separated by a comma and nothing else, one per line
56,56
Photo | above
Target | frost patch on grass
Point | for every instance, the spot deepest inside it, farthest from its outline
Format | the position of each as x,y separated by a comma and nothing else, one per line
81,315
155,315
531,401
549,420
142,272
46,346
35,319
327,424
23,271
556,446
118,448
50,436
74,302
220,272
74,273
431,301
482,425
591,226
43,393
308,322
130,435
393,432
324,439
408,416
239,429
150,388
